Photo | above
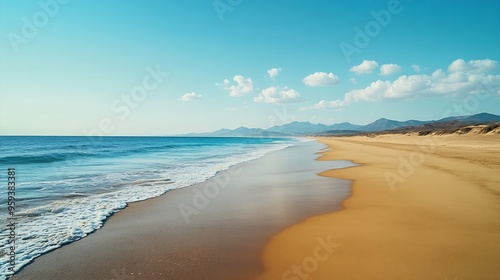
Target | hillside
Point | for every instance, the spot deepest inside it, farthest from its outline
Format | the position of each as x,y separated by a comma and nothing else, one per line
445,125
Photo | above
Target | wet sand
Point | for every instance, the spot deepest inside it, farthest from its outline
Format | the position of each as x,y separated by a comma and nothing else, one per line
227,231
436,217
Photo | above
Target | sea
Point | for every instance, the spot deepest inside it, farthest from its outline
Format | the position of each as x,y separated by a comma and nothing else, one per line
67,186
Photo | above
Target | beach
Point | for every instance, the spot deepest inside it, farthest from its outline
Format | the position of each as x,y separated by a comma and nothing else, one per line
213,230
249,140
422,207
411,207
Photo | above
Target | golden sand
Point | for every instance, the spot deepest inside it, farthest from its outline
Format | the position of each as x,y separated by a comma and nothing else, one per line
422,207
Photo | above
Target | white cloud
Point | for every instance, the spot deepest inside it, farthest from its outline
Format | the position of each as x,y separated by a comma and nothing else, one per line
367,66
472,80
190,96
439,83
415,68
389,69
273,72
243,85
472,66
321,79
323,104
278,95
371,93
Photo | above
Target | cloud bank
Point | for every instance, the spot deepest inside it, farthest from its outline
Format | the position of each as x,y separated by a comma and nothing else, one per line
461,79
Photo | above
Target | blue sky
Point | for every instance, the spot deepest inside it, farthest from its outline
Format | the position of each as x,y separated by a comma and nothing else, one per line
100,67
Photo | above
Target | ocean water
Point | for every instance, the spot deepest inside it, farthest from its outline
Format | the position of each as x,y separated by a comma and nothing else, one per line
66,187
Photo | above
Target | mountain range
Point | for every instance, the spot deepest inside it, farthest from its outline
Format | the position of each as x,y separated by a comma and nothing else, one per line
306,128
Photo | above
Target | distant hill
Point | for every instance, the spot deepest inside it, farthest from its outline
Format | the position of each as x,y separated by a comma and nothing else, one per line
298,128
385,124
306,128
345,126
238,132
482,117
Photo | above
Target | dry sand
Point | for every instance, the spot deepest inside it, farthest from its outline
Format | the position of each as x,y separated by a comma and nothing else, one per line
439,219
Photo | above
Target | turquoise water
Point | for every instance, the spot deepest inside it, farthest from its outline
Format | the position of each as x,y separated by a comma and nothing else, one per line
67,186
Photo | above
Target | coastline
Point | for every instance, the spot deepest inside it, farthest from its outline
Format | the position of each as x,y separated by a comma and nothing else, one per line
217,237
68,195
436,217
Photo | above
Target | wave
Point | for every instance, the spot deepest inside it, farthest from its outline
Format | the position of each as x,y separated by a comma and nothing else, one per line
45,158
82,209
149,149
83,152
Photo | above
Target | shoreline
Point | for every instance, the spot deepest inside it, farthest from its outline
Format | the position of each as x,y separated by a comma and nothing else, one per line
417,211
98,216
152,239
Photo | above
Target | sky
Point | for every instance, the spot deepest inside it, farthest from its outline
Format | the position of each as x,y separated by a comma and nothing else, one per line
128,67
